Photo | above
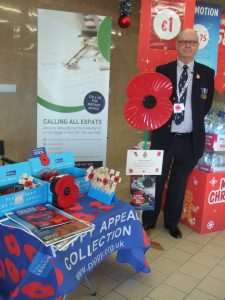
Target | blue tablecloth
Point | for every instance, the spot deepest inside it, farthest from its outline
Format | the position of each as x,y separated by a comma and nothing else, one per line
29,270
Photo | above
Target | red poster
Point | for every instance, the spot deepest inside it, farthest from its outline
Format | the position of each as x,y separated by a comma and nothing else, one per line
220,76
160,23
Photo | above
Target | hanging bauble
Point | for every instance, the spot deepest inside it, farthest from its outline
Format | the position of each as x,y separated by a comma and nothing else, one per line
124,21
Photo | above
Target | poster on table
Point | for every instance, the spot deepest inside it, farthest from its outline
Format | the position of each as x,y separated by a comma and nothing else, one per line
207,25
73,84
220,75
160,23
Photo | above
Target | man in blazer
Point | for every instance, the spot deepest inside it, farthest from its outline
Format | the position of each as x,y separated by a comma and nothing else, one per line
183,142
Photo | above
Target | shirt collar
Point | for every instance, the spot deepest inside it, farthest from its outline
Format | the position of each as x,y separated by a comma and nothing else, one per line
190,65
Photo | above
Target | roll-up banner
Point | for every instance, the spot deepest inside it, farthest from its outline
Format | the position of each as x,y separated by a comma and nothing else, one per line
73,84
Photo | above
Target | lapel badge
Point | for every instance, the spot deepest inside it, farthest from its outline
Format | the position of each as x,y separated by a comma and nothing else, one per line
204,93
197,76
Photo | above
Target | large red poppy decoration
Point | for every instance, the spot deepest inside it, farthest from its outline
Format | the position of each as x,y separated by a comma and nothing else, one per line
148,106
65,191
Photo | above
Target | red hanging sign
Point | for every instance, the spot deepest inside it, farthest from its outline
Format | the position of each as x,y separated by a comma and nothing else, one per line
160,23
220,76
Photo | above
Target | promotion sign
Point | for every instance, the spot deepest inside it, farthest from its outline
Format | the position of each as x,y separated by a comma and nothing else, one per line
220,76
73,84
207,25
161,21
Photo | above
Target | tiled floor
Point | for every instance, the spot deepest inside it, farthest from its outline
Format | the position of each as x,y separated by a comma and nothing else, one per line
192,268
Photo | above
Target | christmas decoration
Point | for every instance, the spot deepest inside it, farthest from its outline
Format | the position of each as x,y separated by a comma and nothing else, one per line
124,20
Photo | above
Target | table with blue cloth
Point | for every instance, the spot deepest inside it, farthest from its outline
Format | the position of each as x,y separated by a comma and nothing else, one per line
30,270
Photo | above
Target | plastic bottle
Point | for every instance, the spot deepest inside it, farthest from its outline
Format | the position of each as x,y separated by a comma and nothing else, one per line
218,125
209,118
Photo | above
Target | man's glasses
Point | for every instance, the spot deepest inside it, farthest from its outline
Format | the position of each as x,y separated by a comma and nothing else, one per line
191,43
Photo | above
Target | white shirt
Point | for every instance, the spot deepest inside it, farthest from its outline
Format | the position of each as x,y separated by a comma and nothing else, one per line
186,125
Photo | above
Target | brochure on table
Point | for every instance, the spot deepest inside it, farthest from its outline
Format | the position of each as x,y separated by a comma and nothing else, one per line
9,176
53,234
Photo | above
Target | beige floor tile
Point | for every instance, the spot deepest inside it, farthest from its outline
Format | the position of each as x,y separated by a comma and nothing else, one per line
182,282
152,279
218,273
103,284
82,293
177,255
214,249
113,296
198,238
152,254
222,233
205,259
119,272
213,287
133,289
165,292
165,241
222,262
200,295
195,270
219,240
164,265
188,246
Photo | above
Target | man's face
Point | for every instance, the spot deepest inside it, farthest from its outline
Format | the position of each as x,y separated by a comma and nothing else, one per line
187,45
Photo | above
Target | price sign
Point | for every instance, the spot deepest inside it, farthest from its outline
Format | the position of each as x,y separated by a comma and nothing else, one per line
167,24
160,23
203,35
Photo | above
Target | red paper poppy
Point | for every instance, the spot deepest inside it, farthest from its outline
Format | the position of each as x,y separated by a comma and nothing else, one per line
83,216
12,244
148,106
45,161
65,191
37,290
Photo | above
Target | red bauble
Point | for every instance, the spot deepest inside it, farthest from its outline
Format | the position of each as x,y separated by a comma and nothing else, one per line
124,21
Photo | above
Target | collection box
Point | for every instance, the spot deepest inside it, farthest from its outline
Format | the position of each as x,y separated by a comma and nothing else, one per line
61,163
17,198
204,202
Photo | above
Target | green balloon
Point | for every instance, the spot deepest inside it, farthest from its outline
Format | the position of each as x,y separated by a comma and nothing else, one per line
104,37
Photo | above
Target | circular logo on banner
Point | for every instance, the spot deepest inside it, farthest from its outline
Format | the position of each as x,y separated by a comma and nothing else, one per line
94,102
203,35
167,24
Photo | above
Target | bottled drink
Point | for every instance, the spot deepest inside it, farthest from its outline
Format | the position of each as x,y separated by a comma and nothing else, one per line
218,124
209,118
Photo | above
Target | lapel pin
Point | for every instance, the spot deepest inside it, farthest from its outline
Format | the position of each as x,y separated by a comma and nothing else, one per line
197,76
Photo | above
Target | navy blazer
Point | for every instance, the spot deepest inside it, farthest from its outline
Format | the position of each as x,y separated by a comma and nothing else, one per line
201,101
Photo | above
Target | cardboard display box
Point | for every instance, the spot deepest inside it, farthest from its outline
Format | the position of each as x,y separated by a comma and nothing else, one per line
62,163
204,202
9,179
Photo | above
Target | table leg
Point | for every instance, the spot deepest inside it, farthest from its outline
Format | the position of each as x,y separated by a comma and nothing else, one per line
90,286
